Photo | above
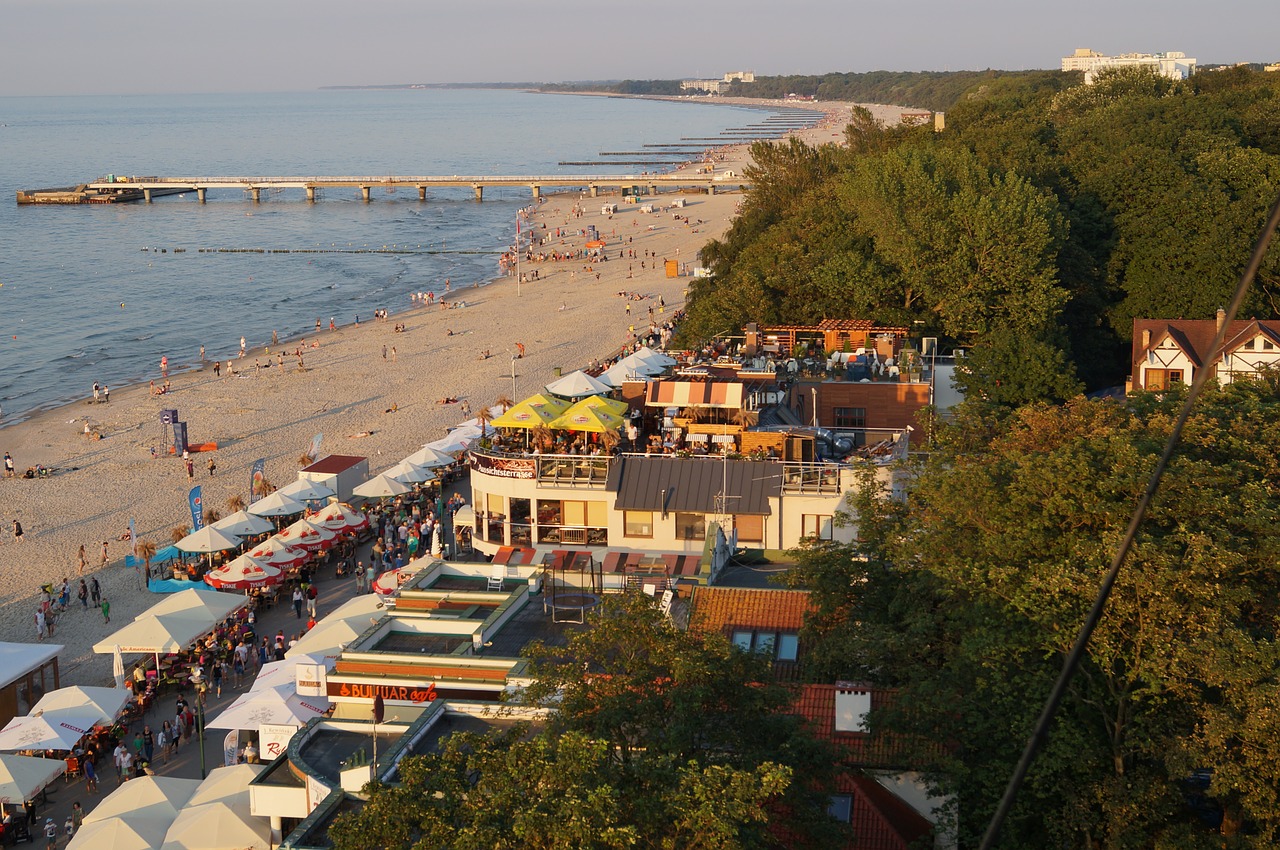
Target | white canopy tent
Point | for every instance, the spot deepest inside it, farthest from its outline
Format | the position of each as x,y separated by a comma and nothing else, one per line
647,353
429,458
381,487
155,635
457,439
277,705
276,674
49,730
208,539
217,826
408,473
347,622
276,504
578,385
158,798
622,371
199,602
121,833
107,702
305,490
243,524
22,777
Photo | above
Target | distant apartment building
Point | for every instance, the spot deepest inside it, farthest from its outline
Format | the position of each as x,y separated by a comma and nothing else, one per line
1175,66
721,85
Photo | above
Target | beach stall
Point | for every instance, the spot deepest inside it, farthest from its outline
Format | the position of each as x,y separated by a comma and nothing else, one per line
27,672
338,473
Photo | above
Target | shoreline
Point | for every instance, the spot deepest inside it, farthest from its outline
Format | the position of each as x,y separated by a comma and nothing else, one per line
370,392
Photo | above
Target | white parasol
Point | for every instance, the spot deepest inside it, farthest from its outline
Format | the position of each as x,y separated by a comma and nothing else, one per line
244,524
208,539
380,487
276,504
306,490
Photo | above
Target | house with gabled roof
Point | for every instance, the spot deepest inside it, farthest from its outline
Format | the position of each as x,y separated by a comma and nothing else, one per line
877,794
1169,352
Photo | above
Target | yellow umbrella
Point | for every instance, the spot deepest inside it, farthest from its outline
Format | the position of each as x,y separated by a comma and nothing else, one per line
618,408
532,412
584,417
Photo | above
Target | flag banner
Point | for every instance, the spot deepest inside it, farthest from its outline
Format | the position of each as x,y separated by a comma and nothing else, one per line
197,512
315,446
258,473
133,539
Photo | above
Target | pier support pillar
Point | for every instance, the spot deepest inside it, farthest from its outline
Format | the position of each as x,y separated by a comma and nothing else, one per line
653,190
595,191
256,194
364,194
537,191
479,192
422,193
711,189
146,195
311,194
202,194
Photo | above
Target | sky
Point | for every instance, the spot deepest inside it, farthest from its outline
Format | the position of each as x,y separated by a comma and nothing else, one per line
88,47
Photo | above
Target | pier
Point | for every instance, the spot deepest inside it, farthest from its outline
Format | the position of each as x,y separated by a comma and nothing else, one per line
148,188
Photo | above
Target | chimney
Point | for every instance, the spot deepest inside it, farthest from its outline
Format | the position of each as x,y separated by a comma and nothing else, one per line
853,703
1146,339
1222,320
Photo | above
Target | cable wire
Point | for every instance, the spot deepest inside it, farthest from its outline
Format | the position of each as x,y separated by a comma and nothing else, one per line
1041,731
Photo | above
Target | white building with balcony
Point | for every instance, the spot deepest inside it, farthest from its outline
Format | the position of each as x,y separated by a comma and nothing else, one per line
1174,65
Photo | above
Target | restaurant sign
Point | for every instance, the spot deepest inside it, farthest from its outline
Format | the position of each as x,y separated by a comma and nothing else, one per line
504,467
419,694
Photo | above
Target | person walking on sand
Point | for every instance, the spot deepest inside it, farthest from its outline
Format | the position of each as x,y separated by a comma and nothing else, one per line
106,394
105,559
212,466
82,593
95,591
8,465
17,531
106,611
242,346
191,469
97,389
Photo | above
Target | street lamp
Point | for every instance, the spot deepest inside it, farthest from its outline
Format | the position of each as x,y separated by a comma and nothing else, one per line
200,733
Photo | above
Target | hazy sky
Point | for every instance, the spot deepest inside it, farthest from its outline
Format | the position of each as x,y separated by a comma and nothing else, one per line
52,47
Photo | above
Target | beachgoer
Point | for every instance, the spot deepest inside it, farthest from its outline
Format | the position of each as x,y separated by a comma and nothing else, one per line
332,325
90,777
105,559
212,466
17,531
217,368
97,389
164,364
202,354
106,394
8,465
82,593
242,346
106,611
191,469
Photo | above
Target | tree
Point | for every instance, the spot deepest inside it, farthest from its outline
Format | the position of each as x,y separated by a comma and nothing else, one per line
235,503
263,487
657,738
1011,367
178,532
305,459
146,550
968,597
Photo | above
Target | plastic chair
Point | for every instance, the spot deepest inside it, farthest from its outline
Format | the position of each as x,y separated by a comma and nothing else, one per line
73,768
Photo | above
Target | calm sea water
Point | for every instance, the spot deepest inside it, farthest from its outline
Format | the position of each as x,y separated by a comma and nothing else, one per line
88,296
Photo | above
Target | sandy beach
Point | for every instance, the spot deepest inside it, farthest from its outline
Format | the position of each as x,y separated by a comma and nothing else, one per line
364,401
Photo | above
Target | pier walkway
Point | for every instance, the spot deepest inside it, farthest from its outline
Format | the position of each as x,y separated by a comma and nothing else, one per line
157,186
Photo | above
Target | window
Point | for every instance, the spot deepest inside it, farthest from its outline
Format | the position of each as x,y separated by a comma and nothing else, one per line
841,807
1267,345
817,525
777,645
750,528
851,417
1162,379
637,523
691,526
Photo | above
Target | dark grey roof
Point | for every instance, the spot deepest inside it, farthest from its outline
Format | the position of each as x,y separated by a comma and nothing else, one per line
646,483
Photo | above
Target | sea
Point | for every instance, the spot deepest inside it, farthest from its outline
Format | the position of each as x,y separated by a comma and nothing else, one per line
101,292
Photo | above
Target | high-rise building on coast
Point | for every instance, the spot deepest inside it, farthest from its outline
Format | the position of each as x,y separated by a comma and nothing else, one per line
1174,65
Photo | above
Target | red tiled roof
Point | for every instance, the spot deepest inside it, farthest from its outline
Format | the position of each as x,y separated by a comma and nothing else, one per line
882,820
816,704
715,609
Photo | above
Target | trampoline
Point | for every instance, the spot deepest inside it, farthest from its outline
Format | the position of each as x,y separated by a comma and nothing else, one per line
569,607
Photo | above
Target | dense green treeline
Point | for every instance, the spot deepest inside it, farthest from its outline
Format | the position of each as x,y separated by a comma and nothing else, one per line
658,87
967,597
934,90
1043,218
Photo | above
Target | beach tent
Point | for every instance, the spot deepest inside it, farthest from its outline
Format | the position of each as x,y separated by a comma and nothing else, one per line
243,524
429,458
200,602
217,826
646,364
23,777
208,539
408,473
532,412
243,573
49,730
381,487
276,504
340,516
121,833
305,490
155,635
259,706
305,534
107,702
157,798
647,353
578,385
583,417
